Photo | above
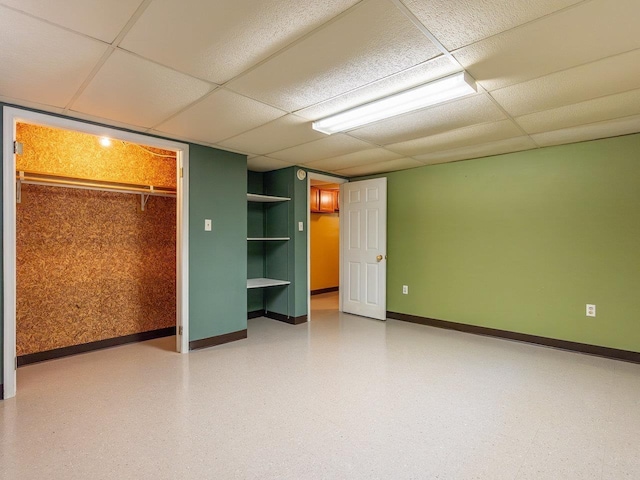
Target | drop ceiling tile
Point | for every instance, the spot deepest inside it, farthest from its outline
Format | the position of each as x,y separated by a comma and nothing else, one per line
225,37
461,137
412,77
594,131
42,63
588,32
266,164
285,132
356,159
476,151
372,41
102,19
219,116
327,147
381,167
430,121
590,111
604,77
133,90
460,23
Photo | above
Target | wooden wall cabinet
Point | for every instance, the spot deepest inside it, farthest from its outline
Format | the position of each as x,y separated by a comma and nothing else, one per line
324,201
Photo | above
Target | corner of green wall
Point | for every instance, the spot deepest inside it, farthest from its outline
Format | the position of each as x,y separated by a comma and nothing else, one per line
522,241
217,259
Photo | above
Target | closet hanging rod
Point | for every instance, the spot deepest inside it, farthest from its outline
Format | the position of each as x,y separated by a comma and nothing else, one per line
30,178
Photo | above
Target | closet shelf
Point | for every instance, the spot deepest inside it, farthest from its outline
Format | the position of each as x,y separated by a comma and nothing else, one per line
253,197
257,239
265,282
32,178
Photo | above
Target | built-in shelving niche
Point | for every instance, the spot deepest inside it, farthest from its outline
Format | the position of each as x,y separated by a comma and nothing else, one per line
269,246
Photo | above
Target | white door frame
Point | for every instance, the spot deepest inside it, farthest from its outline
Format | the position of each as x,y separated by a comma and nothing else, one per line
324,178
13,115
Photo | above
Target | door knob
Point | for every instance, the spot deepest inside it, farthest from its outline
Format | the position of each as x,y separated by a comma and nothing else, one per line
379,258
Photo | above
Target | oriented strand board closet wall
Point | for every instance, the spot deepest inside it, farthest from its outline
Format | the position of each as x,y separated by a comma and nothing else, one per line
90,264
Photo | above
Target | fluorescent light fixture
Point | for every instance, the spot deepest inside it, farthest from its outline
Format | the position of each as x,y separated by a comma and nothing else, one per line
432,93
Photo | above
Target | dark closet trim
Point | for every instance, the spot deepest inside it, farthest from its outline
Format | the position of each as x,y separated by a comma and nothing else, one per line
277,316
324,290
218,340
599,351
284,318
91,346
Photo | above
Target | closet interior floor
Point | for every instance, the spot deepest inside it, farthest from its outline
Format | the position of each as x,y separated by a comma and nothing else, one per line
339,397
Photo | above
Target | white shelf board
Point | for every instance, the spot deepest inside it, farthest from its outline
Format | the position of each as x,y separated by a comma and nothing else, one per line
267,238
265,282
252,197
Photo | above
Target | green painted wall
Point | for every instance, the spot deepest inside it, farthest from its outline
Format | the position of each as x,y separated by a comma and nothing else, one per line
521,242
217,259
301,288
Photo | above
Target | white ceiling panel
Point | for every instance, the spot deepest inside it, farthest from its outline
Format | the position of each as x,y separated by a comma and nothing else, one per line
133,90
611,128
604,77
588,32
381,167
590,111
374,40
221,115
430,121
356,159
266,164
462,137
459,23
476,151
102,19
285,132
327,147
423,73
218,40
41,63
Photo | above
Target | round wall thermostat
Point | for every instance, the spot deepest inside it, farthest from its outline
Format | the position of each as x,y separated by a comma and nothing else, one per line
302,174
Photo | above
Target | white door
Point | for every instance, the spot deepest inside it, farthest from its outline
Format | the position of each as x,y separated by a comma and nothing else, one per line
363,242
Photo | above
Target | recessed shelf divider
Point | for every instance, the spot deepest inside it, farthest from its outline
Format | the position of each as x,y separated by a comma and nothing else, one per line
253,197
265,282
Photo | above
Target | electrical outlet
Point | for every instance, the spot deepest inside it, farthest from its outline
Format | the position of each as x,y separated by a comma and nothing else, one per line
405,289
591,310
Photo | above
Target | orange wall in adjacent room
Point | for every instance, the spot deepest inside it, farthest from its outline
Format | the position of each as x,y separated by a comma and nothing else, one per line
325,244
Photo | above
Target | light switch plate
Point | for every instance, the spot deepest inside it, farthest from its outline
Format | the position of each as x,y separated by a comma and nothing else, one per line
207,225
300,226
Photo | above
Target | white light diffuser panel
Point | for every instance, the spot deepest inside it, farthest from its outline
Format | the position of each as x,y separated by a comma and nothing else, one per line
448,88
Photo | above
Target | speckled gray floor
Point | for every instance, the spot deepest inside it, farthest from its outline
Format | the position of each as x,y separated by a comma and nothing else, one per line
342,397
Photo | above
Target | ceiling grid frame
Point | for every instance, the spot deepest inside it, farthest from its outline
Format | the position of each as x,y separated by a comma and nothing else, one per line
585,111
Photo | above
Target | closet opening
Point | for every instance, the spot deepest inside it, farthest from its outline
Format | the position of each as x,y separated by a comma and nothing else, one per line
324,244
99,240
